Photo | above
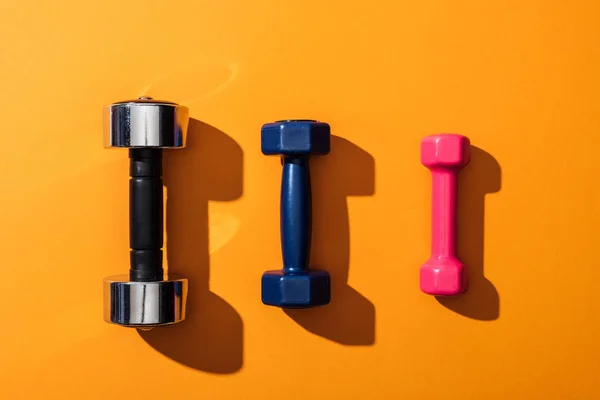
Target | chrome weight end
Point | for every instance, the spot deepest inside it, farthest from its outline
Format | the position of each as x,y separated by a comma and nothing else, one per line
144,305
145,122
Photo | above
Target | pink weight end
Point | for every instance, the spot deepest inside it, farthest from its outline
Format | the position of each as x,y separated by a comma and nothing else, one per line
445,150
444,278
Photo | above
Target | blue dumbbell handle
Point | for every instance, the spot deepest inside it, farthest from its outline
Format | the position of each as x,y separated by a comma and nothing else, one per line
296,214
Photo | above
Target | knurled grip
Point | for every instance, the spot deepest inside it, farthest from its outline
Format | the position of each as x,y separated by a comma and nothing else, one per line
146,215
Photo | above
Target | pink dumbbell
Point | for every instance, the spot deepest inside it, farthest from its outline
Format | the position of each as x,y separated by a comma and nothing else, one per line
445,155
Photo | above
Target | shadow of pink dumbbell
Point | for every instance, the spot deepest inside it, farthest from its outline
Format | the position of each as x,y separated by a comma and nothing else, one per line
445,155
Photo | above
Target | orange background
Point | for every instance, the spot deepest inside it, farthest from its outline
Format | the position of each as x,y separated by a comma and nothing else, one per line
520,78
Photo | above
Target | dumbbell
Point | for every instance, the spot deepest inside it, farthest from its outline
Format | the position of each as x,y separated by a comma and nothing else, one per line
296,285
445,155
147,297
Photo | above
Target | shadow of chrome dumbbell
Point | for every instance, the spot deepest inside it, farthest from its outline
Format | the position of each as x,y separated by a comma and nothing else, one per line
147,297
445,155
296,286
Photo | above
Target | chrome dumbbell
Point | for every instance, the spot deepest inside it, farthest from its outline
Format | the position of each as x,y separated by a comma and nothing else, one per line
147,297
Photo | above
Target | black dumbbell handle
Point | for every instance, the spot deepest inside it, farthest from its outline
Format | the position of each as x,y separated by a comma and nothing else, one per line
146,215
296,214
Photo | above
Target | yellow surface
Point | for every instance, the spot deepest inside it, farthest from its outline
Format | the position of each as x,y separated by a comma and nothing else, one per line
520,78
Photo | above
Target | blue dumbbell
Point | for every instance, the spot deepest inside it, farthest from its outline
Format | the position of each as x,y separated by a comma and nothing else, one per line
296,285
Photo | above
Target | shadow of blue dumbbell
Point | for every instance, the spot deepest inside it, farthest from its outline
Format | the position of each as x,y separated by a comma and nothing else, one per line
296,285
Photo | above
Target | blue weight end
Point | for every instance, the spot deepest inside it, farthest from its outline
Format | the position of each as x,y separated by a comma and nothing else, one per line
311,288
295,137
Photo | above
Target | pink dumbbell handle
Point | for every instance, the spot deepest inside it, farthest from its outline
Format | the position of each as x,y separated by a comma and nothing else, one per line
443,215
